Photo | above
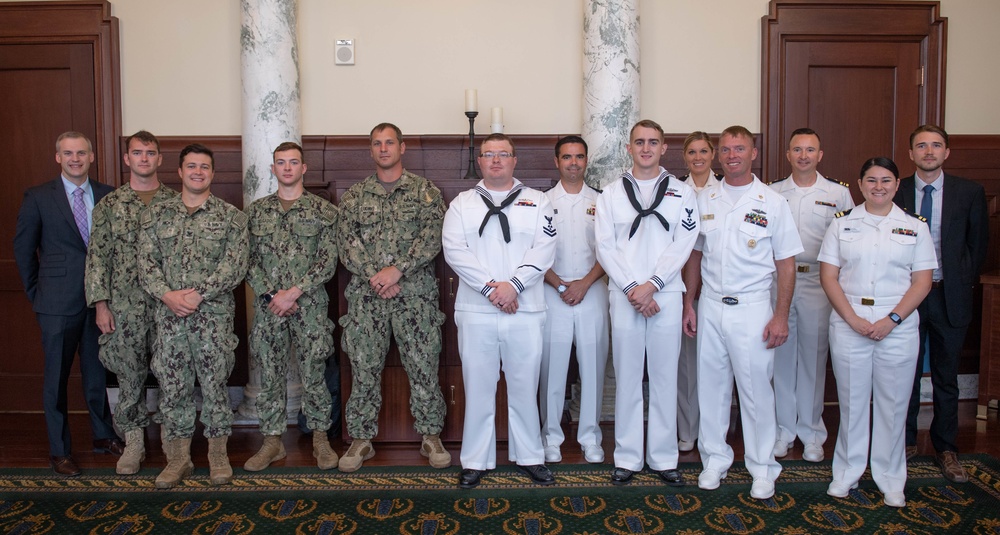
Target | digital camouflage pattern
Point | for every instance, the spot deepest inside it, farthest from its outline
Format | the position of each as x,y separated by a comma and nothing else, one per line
293,248
112,275
207,251
403,229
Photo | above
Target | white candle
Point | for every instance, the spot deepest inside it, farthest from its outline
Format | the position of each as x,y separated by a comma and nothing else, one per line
497,116
471,100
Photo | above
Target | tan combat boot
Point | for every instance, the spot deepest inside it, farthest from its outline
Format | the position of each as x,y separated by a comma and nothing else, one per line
433,449
360,451
326,458
220,473
134,454
272,450
179,465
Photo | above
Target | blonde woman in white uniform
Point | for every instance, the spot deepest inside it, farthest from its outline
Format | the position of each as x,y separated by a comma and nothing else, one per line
698,155
875,266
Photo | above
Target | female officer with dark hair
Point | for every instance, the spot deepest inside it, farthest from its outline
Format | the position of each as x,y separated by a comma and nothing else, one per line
876,264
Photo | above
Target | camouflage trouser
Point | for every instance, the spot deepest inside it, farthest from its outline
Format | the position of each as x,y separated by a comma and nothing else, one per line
416,322
125,353
311,332
200,345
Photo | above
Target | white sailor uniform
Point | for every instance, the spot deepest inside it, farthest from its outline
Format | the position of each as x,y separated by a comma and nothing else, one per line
740,243
876,259
656,252
476,249
584,325
800,363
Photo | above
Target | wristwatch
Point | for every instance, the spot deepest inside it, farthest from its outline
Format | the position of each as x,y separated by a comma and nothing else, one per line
561,289
268,296
895,318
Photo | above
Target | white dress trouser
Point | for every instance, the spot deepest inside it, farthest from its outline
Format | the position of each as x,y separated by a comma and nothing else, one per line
646,345
730,344
800,364
876,377
687,388
586,327
487,341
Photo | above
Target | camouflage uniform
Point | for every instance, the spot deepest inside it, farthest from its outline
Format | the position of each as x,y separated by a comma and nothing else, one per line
207,251
293,248
112,275
403,229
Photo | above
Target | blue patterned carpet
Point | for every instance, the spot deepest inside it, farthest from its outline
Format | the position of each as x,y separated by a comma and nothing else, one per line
418,500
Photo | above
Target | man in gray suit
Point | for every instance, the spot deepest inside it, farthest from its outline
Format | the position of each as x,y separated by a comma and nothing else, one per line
50,248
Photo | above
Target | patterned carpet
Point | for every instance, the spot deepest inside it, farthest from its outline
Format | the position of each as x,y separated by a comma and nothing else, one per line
418,500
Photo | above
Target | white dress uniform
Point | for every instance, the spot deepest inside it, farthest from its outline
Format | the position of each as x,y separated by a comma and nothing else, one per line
488,337
740,242
876,257
584,325
800,363
687,363
654,254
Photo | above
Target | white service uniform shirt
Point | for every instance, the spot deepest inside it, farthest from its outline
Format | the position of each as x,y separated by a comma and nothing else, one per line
653,254
481,259
813,209
877,258
741,242
574,218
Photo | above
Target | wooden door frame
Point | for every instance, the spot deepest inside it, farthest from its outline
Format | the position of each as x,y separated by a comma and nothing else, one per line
838,20
78,21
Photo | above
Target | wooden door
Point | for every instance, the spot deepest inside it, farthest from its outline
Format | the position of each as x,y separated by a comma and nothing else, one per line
862,98
44,91
862,74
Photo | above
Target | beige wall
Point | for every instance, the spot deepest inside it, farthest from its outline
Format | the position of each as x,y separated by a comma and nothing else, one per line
700,64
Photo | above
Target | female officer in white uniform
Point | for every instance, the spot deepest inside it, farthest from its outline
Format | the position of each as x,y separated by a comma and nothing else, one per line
875,266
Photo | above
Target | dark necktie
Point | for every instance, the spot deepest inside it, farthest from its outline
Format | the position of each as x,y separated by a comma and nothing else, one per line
657,198
80,215
495,210
927,204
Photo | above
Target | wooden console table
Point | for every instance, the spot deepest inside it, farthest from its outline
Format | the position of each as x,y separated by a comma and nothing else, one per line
989,355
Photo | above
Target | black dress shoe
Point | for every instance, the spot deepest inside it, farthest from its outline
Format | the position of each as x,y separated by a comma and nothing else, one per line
469,478
539,474
621,476
64,466
672,477
114,446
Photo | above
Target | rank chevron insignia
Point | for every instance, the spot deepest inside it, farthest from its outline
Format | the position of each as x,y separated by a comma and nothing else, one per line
548,229
688,223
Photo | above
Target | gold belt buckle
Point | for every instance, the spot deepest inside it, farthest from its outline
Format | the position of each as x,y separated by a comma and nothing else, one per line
803,269
867,301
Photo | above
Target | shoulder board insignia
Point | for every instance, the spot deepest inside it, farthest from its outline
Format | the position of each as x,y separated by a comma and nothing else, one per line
779,180
595,189
842,214
835,181
918,216
684,178
718,176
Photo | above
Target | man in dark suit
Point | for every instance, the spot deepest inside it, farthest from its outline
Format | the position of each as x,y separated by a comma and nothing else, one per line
50,248
956,212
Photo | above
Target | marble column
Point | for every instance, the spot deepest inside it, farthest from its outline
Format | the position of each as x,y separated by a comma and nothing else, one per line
610,85
272,113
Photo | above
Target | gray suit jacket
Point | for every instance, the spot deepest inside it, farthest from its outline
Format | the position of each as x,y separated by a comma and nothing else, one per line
49,251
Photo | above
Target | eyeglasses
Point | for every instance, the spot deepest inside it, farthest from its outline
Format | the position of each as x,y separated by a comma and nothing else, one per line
490,155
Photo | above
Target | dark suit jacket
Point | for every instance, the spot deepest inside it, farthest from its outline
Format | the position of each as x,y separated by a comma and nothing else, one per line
965,229
49,250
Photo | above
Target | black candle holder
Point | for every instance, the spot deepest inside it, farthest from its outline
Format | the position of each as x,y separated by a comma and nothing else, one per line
472,174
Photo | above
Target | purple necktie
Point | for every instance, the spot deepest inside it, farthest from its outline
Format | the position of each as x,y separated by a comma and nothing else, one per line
80,215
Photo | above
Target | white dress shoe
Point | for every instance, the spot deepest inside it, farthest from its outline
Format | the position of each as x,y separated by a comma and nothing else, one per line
840,489
812,453
894,499
593,454
552,454
710,479
780,448
762,489
685,445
